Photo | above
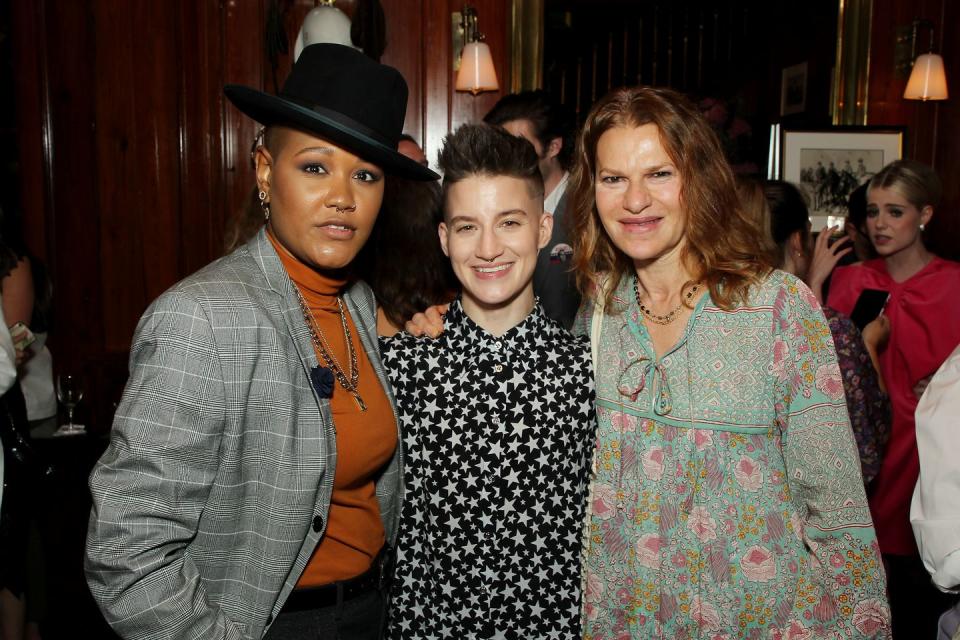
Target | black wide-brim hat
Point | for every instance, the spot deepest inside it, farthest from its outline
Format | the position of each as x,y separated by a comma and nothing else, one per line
341,95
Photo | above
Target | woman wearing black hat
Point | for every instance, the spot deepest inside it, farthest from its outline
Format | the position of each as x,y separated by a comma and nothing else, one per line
252,483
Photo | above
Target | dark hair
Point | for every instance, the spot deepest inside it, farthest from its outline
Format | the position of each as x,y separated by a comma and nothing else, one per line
857,207
548,119
484,150
403,261
788,214
723,247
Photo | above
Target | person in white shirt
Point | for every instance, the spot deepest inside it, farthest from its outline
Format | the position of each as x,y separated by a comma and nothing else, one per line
935,510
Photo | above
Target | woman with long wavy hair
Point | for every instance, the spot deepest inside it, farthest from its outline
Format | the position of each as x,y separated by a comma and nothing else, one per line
727,499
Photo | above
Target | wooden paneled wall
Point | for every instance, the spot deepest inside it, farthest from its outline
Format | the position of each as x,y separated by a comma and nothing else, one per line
933,128
132,162
419,44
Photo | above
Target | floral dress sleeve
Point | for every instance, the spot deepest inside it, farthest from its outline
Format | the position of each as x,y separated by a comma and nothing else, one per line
823,468
868,406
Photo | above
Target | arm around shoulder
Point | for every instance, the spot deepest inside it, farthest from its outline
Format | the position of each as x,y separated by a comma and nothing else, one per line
152,484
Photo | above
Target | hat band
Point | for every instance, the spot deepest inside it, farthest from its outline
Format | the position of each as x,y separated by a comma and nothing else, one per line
345,120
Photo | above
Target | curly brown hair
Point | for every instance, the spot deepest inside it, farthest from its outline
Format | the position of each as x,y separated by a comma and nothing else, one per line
723,247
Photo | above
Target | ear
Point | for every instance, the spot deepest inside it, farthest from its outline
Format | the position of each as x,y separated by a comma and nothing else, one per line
795,243
925,214
264,170
546,229
553,149
442,230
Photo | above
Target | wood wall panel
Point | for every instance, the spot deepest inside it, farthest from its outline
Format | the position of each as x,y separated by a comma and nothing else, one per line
933,128
133,162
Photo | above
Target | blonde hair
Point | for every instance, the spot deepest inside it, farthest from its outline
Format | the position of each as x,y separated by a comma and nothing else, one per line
722,244
916,182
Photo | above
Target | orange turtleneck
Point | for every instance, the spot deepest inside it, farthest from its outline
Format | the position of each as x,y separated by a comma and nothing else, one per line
365,441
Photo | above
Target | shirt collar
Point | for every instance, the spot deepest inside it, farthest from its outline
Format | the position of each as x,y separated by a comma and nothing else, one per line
467,336
551,201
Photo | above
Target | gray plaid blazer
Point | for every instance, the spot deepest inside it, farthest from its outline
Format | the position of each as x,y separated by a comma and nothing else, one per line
222,457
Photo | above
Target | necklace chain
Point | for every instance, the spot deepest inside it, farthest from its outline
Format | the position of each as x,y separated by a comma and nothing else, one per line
672,314
326,353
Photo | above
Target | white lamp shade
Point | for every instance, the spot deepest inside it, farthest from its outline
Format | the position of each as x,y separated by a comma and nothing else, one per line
928,81
476,69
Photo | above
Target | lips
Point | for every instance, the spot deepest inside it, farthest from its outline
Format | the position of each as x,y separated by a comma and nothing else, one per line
492,271
881,240
338,230
644,224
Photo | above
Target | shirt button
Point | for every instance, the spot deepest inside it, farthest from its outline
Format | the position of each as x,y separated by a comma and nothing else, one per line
497,368
496,419
317,523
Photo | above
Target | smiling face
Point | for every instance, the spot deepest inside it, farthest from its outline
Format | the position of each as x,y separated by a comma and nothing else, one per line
493,228
893,223
637,190
323,199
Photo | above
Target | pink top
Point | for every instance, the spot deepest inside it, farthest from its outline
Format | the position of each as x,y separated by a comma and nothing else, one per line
924,314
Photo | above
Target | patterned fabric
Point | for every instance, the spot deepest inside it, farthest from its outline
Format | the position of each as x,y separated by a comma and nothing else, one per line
215,488
868,406
727,501
498,433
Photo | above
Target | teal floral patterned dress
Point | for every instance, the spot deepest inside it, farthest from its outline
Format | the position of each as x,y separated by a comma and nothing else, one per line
727,500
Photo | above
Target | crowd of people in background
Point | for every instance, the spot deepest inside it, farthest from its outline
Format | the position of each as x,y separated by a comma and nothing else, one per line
579,382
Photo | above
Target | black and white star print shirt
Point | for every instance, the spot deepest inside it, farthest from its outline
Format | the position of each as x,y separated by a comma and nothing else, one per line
499,436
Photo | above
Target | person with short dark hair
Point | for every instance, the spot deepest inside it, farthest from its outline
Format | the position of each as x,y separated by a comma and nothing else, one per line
547,126
498,421
253,482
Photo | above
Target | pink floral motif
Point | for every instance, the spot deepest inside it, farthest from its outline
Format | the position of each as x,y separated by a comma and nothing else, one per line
871,616
701,438
705,614
624,422
648,550
758,564
748,474
793,631
829,382
604,501
652,461
701,524
781,350
594,587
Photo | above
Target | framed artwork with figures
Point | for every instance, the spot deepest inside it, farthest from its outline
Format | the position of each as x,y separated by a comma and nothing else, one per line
828,164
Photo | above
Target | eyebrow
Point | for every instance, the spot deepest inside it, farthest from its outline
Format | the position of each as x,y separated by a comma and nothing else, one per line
502,214
647,169
324,150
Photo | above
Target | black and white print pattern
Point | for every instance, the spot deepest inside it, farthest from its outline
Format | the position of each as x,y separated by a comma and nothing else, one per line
499,435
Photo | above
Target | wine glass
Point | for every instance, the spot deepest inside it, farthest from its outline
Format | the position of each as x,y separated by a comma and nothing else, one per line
69,393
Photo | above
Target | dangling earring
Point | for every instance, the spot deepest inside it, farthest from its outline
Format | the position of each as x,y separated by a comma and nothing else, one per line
264,205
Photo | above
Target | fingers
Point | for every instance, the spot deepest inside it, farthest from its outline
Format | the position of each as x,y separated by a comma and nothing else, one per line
428,322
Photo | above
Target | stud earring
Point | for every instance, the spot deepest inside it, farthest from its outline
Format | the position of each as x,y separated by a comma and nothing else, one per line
264,205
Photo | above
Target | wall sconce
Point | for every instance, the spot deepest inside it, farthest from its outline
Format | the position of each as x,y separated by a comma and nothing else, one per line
476,72
928,80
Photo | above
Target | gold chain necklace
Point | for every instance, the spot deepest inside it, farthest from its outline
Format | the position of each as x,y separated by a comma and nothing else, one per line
326,353
672,315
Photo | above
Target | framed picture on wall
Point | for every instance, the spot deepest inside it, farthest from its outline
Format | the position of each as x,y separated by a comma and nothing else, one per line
793,89
828,164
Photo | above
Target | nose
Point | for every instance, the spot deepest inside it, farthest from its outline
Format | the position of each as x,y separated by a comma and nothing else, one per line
490,247
637,197
340,196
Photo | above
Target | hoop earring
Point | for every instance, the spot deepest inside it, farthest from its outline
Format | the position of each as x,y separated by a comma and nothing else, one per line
264,205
